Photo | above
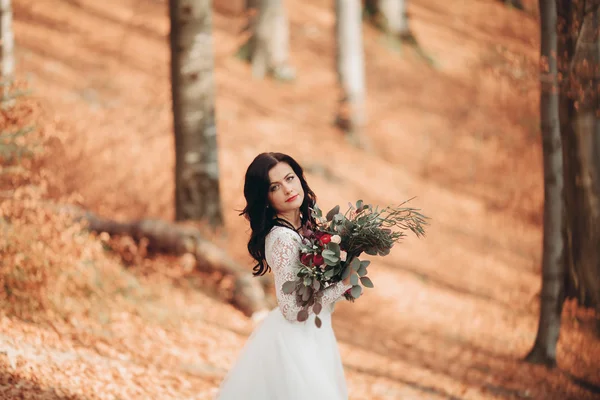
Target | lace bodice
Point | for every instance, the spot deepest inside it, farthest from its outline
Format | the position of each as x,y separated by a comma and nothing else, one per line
282,247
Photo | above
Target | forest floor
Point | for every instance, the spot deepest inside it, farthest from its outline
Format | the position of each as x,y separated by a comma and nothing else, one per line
452,315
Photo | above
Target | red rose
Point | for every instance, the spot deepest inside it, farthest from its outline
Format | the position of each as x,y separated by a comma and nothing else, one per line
318,260
305,258
326,238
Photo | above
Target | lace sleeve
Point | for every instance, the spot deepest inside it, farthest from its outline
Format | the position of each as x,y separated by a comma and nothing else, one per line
282,248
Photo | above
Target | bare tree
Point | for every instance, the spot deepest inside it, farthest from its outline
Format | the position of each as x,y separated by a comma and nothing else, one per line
391,17
197,193
553,268
580,128
350,68
7,60
268,47
571,48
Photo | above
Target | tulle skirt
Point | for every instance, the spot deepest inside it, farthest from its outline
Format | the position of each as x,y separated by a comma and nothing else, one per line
284,360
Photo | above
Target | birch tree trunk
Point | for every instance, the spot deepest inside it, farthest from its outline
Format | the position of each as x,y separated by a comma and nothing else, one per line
553,267
7,59
197,194
350,67
268,49
393,18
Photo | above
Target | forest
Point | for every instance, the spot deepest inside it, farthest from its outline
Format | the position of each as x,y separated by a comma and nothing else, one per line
126,128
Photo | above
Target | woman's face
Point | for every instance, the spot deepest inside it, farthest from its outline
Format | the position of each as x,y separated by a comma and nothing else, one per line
285,191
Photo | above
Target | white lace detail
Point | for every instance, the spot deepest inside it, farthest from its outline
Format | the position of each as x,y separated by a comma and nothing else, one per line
282,247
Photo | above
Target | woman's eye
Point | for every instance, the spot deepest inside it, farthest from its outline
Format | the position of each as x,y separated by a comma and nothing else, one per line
273,188
290,178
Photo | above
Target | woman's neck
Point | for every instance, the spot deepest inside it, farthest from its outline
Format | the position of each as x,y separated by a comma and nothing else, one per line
293,217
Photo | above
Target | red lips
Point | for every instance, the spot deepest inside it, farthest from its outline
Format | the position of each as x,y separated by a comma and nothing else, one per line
292,198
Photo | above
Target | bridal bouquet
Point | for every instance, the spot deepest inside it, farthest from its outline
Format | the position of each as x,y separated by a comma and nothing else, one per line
330,250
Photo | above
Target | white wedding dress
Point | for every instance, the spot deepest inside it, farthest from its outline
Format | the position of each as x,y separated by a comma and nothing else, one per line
285,359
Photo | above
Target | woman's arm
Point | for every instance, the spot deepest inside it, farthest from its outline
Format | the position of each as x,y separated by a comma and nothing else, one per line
282,247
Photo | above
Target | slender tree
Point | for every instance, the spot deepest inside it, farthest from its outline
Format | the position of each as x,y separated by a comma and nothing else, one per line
193,93
268,48
553,267
391,17
350,67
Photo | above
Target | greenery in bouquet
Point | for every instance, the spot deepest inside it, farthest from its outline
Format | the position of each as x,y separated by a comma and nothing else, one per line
331,249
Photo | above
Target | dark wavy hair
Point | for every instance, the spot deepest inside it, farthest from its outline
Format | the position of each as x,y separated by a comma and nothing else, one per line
262,217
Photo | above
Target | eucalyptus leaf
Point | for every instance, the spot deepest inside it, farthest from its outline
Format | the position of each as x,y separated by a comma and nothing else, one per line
316,284
371,251
365,263
329,273
317,308
355,264
306,294
359,204
332,212
307,281
318,322
331,261
346,272
356,291
334,247
328,253
354,279
302,316
362,271
289,287
366,282
384,252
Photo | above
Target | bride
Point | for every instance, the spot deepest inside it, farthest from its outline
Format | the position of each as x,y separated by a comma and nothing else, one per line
284,359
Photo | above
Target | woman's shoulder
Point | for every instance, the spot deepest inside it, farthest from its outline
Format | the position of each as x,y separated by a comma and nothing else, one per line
283,233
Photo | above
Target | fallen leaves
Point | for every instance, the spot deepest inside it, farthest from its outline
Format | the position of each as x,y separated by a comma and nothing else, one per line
98,317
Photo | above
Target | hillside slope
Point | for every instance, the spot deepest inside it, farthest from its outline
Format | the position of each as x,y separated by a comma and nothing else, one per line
451,314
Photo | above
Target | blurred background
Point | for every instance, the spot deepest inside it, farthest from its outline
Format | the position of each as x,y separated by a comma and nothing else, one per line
127,126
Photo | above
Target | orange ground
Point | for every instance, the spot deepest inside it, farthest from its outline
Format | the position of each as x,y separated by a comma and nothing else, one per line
451,315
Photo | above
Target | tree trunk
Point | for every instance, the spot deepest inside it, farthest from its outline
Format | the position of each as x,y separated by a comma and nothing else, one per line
553,270
268,49
248,294
7,59
350,68
393,18
582,178
193,90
